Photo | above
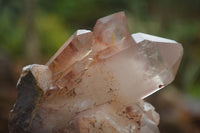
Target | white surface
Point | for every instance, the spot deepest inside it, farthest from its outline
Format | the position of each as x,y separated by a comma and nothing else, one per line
139,37
79,32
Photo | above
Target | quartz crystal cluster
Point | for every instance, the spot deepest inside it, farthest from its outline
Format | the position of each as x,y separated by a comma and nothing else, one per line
95,82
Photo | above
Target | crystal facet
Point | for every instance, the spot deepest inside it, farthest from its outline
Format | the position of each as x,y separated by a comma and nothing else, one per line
96,82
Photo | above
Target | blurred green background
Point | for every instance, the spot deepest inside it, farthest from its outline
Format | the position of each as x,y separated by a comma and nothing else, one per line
31,31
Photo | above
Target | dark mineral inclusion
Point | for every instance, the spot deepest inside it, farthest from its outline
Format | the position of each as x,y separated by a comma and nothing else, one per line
28,97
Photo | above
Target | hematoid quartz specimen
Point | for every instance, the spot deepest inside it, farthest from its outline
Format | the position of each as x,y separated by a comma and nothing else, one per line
96,81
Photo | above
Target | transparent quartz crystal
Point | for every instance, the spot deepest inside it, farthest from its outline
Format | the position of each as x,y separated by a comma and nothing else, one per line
96,82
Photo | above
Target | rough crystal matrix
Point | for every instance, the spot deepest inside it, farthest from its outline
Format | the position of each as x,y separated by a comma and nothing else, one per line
95,82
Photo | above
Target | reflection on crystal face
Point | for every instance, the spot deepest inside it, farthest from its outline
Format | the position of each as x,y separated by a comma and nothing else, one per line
96,82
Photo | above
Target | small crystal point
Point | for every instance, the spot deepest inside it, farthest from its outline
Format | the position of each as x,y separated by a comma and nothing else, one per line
96,82
111,30
75,49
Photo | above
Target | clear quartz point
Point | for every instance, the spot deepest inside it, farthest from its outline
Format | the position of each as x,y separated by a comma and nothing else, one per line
96,82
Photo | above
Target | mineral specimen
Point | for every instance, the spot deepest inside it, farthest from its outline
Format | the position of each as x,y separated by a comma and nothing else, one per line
96,82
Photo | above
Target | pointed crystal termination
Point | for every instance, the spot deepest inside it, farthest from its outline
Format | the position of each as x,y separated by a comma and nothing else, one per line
96,82
74,50
162,55
112,31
